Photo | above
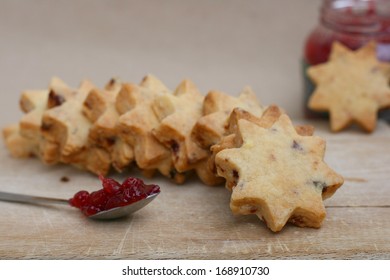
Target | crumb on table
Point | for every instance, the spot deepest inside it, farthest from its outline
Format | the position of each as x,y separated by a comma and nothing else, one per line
64,179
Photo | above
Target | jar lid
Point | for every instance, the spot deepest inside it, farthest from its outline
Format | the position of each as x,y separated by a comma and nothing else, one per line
361,7
357,16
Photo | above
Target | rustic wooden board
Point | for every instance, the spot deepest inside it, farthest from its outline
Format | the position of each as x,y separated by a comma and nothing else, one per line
194,221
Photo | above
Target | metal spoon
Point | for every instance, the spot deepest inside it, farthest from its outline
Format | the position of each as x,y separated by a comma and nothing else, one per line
103,215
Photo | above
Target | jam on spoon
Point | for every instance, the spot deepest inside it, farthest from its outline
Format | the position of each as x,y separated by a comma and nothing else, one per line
113,201
112,195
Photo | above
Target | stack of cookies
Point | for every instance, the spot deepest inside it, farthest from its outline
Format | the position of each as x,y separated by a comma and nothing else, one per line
273,169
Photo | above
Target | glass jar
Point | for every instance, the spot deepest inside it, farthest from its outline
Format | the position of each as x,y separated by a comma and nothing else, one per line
353,23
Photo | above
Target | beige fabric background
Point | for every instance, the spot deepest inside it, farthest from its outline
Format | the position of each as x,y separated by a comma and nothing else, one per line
219,44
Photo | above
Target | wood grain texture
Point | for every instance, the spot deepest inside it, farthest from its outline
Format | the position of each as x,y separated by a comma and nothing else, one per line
194,221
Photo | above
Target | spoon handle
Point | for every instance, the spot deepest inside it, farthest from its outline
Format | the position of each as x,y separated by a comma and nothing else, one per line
30,199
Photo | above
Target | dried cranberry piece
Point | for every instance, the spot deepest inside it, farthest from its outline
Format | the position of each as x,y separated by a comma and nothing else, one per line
133,194
110,186
98,199
90,210
151,189
132,182
114,202
79,199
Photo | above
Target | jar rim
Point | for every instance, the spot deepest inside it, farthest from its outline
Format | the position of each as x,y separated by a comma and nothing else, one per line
357,16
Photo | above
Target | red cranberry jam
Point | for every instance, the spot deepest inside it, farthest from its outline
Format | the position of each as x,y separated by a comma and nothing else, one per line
112,195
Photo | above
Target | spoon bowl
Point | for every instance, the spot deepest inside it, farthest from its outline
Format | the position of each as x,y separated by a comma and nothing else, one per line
109,214
123,211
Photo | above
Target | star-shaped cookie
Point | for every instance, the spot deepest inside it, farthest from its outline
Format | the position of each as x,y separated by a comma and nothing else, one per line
352,86
135,127
178,114
18,145
34,103
59,92
231,138
99,108
66,129
279,175
217,107
65,124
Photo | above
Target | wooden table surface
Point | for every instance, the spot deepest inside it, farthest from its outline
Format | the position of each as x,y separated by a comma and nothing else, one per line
193,221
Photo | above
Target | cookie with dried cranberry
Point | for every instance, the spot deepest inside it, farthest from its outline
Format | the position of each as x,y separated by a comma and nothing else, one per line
229,140
100,108
136,124
352,86
25,139
217,107
178,114
33,103
270,115
59,92
65,124
99,101
66,128
278,175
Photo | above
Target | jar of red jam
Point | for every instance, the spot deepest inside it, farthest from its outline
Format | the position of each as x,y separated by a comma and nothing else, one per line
353,23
